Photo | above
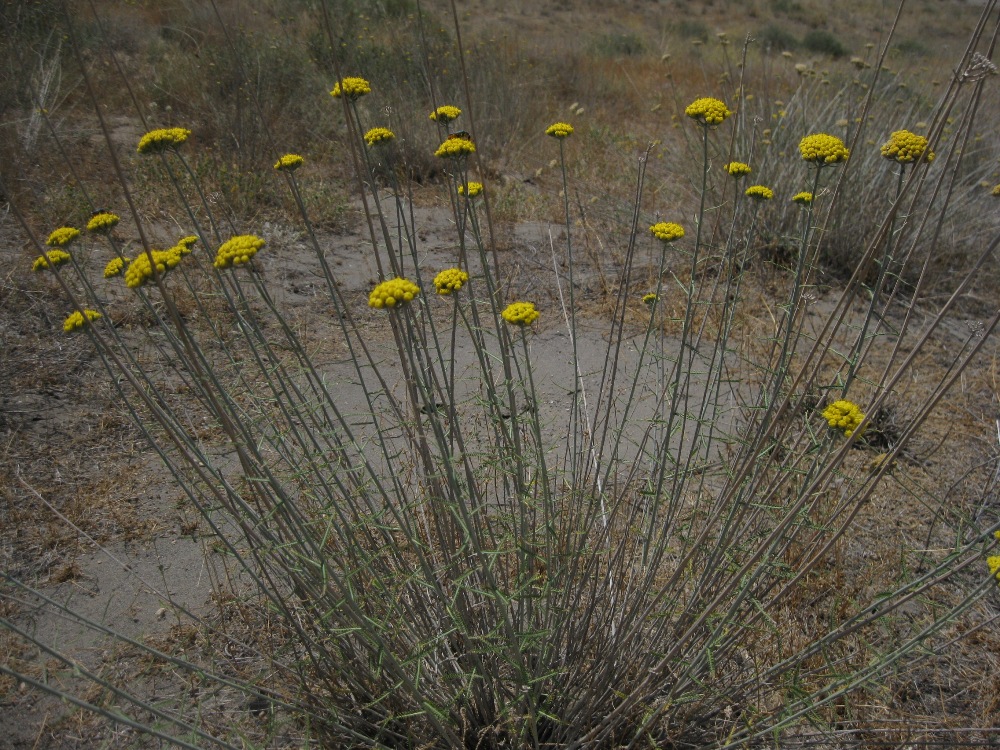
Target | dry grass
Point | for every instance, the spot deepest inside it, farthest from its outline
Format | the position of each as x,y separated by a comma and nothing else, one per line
65,438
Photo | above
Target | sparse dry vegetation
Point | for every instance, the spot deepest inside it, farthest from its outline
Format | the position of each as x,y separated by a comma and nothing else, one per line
736,485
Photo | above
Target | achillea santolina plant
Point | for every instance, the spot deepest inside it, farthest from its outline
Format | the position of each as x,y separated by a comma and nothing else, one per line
448,556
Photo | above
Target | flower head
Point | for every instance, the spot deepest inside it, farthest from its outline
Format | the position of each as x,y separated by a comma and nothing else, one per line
140,270
115,266
472,189
55,257
708,111
376,136
450,280
650,299
759,192
445,113
62,237
905,147
843,415
559,130
520,313
667,231
184,243
995,192
156,141
237,251
737,169
993,563
804,198
823,149
289,163
455,148
76,319
393,292
352,87
102,222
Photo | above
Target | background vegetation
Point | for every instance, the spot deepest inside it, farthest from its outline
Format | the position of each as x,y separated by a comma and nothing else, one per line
251,81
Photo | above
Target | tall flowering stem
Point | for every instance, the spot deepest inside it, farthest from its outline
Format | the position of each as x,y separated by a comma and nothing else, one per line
781,365
562,131
859,345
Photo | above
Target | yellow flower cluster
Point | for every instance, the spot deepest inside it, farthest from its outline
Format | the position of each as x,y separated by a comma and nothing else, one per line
446,113
737,169
76,320
708,111
455,148
759,192
140,271
520,313
994,566
823,149
289,163
805,198
55,257
993,562
376,136
559,130
472,188
352,87
905,147
102,222
667,231
450,280
650,299
115,266
62,237
156,141
843,415
995,192
393,292
237,251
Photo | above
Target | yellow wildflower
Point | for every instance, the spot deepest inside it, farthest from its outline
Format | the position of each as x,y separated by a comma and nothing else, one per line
995,192
289,163
55,257
140,271
843,415
393,292
115,266
737,169
102,222
472,188
759,192
376,136
450,280
76,319
805,198
520,314
156,141
237,251
455,148
352,87
62,237
708,111
994,565
905,147
650,299
184,243
445,113
559,130
667,231
823,149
